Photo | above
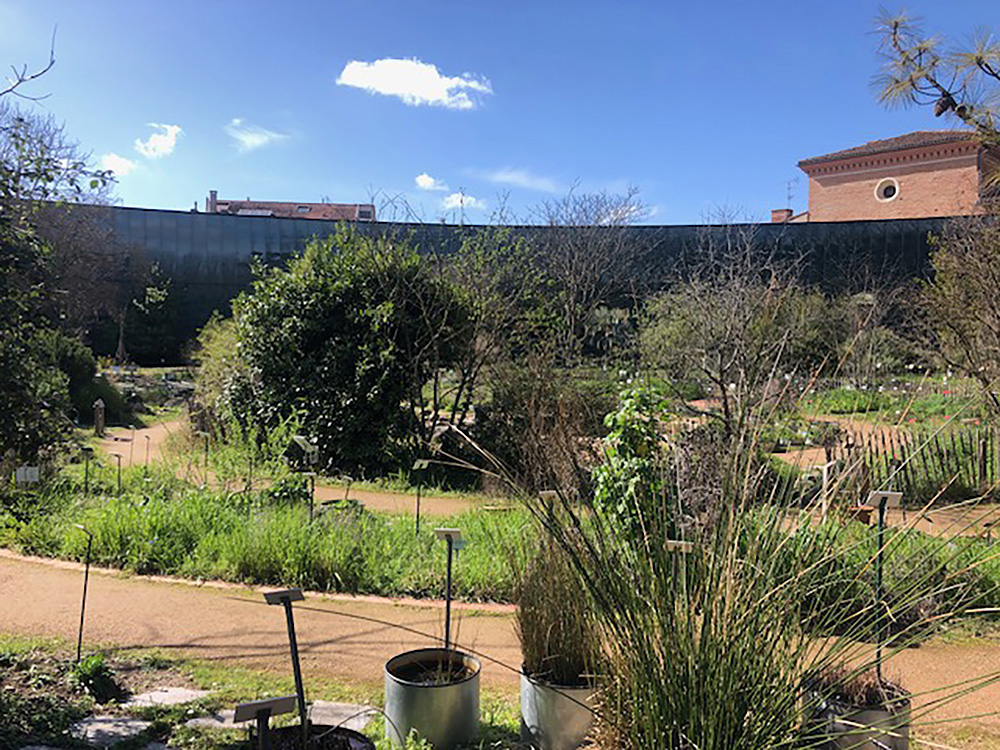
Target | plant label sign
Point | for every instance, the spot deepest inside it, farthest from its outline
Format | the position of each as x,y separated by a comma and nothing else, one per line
892,499
26,475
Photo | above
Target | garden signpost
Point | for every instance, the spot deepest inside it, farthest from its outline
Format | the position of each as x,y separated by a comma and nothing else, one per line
418,469
86,577
88,453
311,479
883,499
285,598
262,711
453,537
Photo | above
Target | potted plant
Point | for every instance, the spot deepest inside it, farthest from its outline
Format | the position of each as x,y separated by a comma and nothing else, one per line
557,645
434,691
847,709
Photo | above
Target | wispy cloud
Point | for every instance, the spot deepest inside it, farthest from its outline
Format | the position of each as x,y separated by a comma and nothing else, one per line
426,182
248,137
159,144
522,178
461,200
119,165
415,82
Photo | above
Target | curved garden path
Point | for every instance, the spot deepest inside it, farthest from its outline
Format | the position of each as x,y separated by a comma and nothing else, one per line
131,446
348,639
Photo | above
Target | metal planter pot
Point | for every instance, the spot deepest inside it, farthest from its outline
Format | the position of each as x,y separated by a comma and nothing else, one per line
436,692
555,717
856,728
320,738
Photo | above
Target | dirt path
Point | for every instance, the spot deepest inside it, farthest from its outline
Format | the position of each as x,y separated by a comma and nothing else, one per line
348,639
131,445
342,638
859,429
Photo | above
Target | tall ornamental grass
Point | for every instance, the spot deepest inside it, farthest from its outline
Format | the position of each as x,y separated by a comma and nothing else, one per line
718,599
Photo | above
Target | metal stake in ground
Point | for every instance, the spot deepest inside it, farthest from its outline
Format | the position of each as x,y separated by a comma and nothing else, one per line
418,469
453,537
285,598
884,500
118,458
88,453
147,449
311,479
83,603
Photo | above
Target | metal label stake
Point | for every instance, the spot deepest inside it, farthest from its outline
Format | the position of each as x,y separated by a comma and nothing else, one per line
453,537
83,601
285,598
884,500
262,711
418,466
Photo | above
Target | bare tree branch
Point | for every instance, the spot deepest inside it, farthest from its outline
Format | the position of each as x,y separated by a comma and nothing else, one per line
22,76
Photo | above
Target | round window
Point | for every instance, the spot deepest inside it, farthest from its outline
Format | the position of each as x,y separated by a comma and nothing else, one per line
886,189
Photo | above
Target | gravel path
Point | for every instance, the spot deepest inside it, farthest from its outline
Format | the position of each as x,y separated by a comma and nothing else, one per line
348,639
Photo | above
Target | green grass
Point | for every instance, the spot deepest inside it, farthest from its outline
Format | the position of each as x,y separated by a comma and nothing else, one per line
163,526
48,701
892,406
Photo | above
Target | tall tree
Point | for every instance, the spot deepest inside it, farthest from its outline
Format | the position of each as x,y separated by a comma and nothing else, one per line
37,164
960,83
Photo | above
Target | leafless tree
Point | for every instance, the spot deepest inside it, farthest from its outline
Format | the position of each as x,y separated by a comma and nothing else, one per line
734,317
590,252
21,76
960,305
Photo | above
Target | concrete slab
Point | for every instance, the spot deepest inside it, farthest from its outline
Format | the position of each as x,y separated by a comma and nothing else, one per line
221,720
166,696
106,731
349,715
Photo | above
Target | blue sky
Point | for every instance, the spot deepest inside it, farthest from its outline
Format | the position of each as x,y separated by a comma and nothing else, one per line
701,106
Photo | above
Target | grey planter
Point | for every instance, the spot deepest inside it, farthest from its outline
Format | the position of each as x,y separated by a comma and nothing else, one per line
320,738
555,717
445,712
865,728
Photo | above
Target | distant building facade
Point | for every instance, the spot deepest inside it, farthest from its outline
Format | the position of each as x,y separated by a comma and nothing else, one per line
322,211
919,175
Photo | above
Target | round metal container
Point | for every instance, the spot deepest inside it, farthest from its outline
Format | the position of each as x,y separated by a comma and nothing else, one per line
554,717
444,712
869,728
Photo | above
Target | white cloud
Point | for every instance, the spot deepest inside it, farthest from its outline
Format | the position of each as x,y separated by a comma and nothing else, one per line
414,82
119,165
460,200
159,144
249,137
426,182
524,179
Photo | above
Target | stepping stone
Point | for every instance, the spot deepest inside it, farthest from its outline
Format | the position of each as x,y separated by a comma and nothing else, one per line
348,715
166,696
105,731
221,720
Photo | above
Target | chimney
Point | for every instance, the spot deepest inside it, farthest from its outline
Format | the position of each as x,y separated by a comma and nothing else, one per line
781,215
212,201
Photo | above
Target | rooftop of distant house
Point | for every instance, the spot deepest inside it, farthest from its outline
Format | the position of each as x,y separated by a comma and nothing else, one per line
324,211
918,139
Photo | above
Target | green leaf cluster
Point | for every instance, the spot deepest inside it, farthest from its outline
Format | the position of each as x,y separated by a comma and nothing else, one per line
344,340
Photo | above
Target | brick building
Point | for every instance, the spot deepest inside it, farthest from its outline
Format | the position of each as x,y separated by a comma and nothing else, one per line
326,211
929,173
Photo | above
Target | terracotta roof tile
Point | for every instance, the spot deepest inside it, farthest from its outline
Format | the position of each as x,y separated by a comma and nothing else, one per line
899,143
